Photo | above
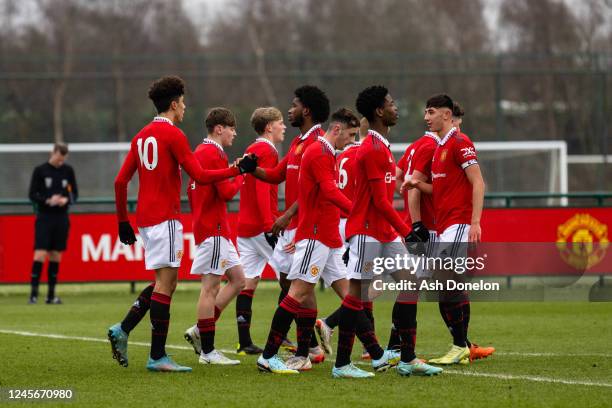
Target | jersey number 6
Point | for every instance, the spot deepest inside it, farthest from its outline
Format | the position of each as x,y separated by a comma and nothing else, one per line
143,152
342,174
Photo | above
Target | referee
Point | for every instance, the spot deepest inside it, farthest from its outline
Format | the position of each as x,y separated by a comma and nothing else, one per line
52,190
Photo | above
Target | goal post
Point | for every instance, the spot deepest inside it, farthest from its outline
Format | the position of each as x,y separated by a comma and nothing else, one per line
521,166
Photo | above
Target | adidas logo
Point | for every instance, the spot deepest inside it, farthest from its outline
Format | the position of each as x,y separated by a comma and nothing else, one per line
241,319
136,303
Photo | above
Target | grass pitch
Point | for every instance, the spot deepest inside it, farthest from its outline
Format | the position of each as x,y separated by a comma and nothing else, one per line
549,354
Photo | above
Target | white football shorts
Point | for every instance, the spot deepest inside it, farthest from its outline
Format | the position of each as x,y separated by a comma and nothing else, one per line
163,244
215,255
255,252
314,260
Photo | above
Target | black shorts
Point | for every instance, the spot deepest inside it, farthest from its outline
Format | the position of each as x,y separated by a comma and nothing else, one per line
51,232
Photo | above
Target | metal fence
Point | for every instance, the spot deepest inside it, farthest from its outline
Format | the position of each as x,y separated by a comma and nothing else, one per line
510,97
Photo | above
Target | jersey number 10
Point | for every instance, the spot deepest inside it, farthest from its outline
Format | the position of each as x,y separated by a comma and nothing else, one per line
143,152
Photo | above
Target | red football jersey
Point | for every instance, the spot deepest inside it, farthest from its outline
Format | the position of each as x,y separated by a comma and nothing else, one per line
208,202
319,198
258,199
346,173
372,213
452,191
156,152
418,157
288,169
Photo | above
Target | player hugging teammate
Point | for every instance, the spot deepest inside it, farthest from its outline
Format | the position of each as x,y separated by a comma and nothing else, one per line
323,233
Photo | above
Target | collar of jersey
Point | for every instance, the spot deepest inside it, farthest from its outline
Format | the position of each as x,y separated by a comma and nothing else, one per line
263,139
379,137
433,136
312,129
162,119
351,145
212,142
448,135
326,143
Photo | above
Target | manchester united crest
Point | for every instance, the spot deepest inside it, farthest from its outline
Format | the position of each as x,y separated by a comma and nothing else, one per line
298,150
582,241
443,155
314,270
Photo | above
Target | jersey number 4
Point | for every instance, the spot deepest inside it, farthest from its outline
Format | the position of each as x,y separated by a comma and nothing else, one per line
143,152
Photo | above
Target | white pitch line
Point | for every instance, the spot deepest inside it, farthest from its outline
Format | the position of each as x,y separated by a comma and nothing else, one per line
95,339
529,378
446,370
536,354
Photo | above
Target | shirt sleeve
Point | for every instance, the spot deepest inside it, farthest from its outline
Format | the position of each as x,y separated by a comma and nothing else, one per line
375,165
422,159
464,153
37,192
74,190
384,207
121,184
262,189
183,155
278,173
403,160
323,171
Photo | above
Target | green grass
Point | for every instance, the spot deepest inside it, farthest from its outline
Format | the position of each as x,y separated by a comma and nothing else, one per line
568,341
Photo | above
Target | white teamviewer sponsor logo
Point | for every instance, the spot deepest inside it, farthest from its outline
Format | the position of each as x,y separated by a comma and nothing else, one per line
293,167
438,175
106,250
389,177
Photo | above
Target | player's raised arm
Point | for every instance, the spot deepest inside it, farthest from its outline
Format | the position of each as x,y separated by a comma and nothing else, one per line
187,160
273,175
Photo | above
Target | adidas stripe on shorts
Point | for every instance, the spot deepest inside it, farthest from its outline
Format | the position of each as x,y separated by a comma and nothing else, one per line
214,255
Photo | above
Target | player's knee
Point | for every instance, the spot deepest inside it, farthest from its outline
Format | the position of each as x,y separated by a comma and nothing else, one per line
55,256
40,255
251,283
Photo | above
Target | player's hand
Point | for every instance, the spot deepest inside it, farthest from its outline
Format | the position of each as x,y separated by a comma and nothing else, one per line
419,233
271,239
475,234
280,224
126,233
54,200
409,185
345,256
290,247
62,201
247,164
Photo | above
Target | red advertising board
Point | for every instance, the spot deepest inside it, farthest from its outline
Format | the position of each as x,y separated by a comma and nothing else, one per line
95,254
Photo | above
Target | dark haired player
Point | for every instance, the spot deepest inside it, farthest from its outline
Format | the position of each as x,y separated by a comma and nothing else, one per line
309,108
216,254
424,210
318,250
156,152
371,231
457,190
